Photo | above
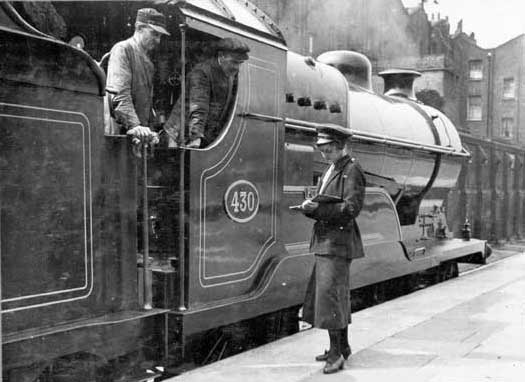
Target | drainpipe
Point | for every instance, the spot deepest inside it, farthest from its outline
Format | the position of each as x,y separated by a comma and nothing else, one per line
518,93
518,172
489,95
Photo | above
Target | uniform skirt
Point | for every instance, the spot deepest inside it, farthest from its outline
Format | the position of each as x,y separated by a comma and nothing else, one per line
327,300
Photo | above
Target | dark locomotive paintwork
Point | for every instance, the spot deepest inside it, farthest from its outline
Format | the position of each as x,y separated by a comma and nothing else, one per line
84,186
50,140
68,264
226,264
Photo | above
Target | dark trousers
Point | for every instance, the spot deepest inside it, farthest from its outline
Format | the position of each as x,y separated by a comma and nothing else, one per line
327,300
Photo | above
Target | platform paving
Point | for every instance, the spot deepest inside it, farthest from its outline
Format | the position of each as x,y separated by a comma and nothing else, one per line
469,329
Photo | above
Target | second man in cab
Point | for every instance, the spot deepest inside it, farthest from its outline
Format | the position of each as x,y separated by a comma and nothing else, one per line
211,90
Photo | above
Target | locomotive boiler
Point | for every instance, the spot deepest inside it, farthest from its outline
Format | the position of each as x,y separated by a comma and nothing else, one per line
112,260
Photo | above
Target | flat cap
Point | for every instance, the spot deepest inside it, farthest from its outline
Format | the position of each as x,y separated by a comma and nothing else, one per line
152,17
331,132
232,45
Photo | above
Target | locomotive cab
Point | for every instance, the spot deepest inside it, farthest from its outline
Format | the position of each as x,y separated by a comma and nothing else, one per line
200,198
213,212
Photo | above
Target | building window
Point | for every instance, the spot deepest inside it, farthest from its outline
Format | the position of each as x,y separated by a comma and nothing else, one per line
475,69
474,108
310,44
507,127
509,88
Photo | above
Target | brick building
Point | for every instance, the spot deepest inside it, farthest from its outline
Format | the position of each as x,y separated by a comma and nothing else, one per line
507,96
472,69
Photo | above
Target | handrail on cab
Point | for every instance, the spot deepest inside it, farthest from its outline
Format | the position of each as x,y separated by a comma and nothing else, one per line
147,280
382,139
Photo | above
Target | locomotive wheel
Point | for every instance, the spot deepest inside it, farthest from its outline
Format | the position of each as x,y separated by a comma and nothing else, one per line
448,270
378,293
245,335
428,277
408,284
359,299
223,342
281,324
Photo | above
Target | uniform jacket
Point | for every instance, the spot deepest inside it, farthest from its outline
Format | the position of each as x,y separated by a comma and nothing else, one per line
335,231
208,96
130,79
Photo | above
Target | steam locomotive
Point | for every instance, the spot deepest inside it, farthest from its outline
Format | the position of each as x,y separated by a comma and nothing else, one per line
111,262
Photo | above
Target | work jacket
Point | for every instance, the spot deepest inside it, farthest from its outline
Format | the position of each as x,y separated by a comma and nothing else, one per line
130,83
209,94
335,231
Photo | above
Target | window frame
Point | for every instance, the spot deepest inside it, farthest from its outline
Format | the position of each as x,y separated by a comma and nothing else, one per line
471,70
504,92
504,127
470,116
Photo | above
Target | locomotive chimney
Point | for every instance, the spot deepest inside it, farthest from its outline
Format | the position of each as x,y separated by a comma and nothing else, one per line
399,82
356,67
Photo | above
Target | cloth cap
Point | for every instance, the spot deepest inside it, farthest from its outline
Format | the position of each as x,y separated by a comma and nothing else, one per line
238,49
330,132
152,17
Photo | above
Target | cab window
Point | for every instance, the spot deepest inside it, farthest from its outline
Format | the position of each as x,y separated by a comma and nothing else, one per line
208,95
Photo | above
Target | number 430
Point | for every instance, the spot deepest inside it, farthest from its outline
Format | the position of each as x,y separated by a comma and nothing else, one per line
243,201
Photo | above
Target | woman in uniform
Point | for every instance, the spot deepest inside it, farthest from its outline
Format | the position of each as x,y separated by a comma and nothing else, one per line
335,242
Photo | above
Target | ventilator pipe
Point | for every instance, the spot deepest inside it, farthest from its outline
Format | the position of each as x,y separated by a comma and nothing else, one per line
356,67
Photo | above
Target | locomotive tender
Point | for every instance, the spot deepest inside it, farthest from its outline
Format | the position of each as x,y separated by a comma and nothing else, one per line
224,249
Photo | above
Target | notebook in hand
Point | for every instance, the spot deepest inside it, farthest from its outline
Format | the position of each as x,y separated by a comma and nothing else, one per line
324,198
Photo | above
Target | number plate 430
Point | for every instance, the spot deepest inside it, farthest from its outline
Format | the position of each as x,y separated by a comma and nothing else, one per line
241,201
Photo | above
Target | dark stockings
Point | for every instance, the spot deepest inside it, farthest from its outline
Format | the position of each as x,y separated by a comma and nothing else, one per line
344,339
335,345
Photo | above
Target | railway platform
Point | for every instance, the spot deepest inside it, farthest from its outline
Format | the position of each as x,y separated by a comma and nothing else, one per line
467,329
